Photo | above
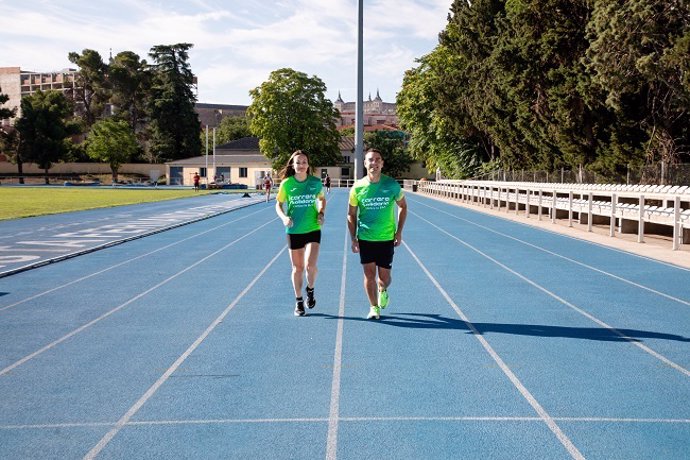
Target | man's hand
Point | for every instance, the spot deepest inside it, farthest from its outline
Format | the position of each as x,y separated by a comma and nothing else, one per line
355,246
397,241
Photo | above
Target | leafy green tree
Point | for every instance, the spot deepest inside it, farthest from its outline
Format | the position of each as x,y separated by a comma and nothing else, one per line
392,145
9,137
113,142
5,112
44,128
231,128
290,112
174,125
92,87
433,138
347,132
9,145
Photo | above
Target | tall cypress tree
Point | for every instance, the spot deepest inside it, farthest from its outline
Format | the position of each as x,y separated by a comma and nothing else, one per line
639,62
175,126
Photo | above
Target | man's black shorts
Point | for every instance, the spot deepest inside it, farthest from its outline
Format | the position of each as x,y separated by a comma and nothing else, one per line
380,252
300,240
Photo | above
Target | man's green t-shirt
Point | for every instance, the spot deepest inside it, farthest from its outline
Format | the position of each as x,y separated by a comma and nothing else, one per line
376,218
301,198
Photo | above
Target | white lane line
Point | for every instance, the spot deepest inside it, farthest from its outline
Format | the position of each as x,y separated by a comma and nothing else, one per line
548,420
333,416
601,323
120,307
465,418
178,362
582,264
35,296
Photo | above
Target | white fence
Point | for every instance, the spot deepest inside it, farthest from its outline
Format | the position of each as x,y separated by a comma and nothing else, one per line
650,209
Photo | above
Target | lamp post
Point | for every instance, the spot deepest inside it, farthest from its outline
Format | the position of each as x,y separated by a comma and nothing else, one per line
214,156
359,104
206,157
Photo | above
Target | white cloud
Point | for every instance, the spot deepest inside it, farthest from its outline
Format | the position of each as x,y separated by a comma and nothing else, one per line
236,43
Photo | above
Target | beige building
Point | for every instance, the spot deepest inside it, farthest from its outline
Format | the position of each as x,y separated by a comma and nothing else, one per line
17,83
241,162
237,162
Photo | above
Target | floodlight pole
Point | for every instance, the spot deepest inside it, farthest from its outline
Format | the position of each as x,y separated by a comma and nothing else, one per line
359,104
214,156
206,157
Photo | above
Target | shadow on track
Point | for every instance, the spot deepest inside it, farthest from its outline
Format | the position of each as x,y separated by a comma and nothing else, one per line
434,321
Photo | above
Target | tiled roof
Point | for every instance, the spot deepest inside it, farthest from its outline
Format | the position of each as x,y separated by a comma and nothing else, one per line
370,128
222,160
245,143
347,143
202,105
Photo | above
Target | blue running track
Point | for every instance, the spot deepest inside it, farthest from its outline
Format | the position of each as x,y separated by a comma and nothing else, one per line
501,341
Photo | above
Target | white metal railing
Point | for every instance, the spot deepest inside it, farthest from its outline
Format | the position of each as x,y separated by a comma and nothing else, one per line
625,208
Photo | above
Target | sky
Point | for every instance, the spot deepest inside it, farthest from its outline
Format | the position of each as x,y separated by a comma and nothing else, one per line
237,43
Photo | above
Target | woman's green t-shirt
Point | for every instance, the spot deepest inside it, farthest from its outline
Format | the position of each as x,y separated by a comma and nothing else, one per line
301,199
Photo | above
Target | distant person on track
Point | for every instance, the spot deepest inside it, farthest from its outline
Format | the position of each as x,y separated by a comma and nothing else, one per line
196,179
327,183
306,204
371,220
268,183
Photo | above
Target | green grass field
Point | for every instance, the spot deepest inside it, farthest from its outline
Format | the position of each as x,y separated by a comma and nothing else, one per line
16,202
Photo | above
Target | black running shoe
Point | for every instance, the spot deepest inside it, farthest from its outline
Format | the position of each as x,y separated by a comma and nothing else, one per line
311,301
299,308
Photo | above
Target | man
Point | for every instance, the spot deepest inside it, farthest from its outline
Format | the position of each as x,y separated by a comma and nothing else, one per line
371,219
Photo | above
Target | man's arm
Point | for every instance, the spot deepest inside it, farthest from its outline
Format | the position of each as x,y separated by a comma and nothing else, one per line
402,217
352,226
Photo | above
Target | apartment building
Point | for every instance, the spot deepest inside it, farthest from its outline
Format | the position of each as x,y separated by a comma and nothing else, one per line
17,83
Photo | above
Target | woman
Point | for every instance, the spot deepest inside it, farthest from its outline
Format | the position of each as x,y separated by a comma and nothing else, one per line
303,219
268,183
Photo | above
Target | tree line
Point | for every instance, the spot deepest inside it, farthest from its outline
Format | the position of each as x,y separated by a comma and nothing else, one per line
126,110
589,85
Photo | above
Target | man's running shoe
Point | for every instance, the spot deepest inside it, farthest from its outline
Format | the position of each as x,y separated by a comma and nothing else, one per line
374,313
311,301
383,298
299,308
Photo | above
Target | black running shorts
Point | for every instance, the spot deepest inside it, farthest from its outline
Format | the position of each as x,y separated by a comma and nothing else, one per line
380,252
300,240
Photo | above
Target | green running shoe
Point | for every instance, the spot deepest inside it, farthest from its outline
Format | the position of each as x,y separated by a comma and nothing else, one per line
383,299
374,313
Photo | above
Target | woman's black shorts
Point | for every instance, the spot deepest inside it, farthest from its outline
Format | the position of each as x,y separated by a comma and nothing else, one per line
300,240
380,252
